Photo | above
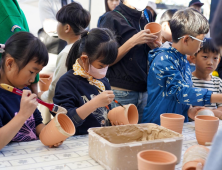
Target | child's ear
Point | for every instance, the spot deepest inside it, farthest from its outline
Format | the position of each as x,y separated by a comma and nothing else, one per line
9,63
186,39
84,58
67,28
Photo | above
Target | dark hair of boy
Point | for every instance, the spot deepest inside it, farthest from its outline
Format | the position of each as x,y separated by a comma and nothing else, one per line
74,15
167,15
216,26
188,22
24,47
208,46
99,43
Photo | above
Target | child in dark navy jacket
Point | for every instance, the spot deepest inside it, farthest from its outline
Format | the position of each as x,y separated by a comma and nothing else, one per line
170,80
23,57
83,90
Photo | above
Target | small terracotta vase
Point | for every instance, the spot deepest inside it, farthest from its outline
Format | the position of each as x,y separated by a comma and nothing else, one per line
206,112
205,128
155,29
58,129
126,115
193,156
172,121
44,78
156,160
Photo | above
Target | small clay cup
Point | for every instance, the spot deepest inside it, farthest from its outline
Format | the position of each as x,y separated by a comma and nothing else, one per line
155,29
156,160
193,156
172,121
58,129
126,115
44,78
205,128
206,112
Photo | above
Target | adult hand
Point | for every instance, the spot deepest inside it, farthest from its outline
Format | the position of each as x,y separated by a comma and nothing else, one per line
193,110
143,37
104,98
28,103
155,44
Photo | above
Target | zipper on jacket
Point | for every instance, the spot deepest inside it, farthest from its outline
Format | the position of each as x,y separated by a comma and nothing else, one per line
142,15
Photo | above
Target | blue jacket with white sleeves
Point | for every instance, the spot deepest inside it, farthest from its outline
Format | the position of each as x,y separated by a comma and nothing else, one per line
169,86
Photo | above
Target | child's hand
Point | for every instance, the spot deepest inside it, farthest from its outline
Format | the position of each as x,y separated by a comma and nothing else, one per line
104,98
56,145
193,111
28,103
199,166
116,123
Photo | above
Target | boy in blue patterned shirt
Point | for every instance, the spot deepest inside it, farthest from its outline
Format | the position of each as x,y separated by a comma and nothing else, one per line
169,82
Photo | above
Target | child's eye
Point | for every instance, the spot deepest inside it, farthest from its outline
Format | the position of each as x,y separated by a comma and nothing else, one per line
216,58
31,72
204,56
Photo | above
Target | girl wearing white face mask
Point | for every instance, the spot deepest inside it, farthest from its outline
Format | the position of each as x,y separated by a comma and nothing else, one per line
128,74
79,89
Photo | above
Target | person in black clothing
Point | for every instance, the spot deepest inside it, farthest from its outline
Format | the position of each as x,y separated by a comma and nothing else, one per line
128,74
83,90
110,5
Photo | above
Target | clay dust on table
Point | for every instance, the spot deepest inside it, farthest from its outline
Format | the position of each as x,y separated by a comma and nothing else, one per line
135,133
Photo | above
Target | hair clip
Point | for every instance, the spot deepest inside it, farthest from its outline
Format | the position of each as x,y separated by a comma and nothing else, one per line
2,46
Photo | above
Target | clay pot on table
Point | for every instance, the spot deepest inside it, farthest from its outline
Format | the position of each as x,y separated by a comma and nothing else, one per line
126,115
193,156
44,78
205,128
156,160
206,112
58,129
172,121
155,29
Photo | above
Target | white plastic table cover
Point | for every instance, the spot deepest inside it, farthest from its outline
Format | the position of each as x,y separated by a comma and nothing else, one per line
71,155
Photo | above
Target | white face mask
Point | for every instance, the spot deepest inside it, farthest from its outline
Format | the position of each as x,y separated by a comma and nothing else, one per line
138,4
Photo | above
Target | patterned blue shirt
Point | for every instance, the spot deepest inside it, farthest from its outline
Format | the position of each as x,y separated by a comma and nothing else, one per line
169,86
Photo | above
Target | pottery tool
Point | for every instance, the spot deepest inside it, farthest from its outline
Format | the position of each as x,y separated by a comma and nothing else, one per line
52,107
113,100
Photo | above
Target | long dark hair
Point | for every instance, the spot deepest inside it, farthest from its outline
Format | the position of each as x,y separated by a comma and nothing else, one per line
107,6
99,43
24,47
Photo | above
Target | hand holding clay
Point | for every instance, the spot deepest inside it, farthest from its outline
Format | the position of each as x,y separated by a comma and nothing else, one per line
104,98
143,37
193,111
28,103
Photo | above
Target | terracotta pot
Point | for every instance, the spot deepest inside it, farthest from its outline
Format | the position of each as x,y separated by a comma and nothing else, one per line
172,121
155,29
193,156
156,160
206,112
44,78
126,115
58,129
205,128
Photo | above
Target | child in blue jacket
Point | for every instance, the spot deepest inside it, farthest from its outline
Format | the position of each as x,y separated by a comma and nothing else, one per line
170,80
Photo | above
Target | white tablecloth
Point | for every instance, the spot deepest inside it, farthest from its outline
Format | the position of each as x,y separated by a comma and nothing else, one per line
72,155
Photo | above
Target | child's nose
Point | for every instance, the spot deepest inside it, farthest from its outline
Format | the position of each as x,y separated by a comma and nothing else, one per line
32,78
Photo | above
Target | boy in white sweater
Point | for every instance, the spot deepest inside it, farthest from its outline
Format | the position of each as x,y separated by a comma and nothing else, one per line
72,20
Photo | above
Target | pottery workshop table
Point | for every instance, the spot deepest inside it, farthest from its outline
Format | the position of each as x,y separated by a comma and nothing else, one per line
72,155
